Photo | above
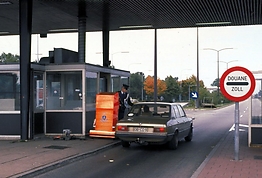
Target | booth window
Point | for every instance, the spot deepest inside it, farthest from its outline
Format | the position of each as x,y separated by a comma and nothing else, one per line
124,80
257,104
38,91
102,85
91,89
9,91
64,90
115,83
255,120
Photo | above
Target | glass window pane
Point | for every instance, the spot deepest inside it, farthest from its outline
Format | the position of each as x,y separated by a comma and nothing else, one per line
124,80
181,111
91,89
115,82
176,111
64,90
256,117
10,91
38,91
102,85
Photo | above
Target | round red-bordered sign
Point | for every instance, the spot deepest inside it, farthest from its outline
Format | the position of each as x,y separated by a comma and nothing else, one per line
237,83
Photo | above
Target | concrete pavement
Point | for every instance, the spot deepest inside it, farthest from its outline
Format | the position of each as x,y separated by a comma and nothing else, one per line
221,163
22,158
18,159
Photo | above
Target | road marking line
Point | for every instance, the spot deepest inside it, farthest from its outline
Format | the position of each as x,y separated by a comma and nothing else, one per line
241,125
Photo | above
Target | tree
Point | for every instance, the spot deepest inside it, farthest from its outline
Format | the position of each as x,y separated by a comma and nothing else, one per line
215,82
161,87
136,87
9,58
172,88
190,85
149,86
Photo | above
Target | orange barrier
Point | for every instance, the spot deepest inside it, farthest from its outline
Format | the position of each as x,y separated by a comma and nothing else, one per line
107,105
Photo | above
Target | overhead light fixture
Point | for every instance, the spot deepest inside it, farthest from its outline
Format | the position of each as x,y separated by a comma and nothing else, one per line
213,23
5,3
43,35
64,30
3,33
136,26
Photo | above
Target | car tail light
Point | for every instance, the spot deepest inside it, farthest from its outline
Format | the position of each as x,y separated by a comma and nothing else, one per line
160,129
122,128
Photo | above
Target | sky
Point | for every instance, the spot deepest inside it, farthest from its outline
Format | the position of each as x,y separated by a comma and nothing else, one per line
177,50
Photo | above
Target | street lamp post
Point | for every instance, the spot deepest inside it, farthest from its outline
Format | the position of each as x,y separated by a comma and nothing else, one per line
37,50
112,55
228,62
136,63
142,88
217,64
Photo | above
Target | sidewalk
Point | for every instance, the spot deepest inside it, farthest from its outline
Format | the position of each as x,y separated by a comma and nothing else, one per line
221,161
21,158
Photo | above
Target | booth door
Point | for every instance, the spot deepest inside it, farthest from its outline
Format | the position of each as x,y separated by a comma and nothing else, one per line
64,102
38,120
64,90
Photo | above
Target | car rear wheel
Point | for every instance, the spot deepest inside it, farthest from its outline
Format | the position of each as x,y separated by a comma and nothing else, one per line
189,137
125,144
173,144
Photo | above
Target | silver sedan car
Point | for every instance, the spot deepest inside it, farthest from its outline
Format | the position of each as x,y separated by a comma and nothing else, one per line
155,123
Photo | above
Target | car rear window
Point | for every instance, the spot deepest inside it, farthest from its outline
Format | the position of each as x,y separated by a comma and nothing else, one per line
147,109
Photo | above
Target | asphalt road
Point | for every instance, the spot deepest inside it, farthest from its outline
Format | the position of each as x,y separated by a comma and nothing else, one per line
210,126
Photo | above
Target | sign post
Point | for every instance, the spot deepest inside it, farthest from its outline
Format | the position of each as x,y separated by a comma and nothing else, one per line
237,84
236,131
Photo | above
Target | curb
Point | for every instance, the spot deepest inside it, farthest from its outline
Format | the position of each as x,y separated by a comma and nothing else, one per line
210,155
59,163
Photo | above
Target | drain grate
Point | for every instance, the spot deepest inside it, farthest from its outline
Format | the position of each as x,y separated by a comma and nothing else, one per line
258,157
56,147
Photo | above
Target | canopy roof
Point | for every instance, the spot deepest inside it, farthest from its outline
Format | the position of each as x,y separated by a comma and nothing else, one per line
52,16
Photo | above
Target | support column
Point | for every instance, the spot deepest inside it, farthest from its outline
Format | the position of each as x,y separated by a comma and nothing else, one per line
81,39
155,67
106,61
25,27
81,31
197,82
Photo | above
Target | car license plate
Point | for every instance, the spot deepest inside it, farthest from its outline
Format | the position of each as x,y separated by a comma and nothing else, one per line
140,129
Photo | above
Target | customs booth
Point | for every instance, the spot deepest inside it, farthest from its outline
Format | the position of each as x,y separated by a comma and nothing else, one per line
62,96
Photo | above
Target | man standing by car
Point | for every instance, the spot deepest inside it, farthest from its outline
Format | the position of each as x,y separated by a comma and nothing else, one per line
124,100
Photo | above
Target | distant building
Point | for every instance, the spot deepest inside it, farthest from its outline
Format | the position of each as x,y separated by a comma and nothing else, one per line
211,89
